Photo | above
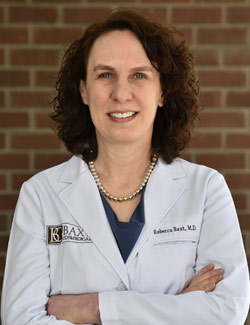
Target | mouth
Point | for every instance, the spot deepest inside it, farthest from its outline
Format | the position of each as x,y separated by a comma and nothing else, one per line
122,115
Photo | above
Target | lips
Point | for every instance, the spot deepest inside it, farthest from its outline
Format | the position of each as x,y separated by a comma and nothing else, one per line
122,115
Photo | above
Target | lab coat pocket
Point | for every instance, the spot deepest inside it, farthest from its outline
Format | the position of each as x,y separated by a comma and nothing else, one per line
167,262
175,242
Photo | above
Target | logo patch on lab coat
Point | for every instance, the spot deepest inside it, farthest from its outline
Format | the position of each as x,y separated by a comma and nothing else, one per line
66,232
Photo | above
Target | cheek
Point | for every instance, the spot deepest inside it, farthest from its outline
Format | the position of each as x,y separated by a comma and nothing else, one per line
97,106
97,98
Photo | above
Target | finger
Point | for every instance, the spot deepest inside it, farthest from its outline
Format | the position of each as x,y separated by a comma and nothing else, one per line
212,276
200,275
209,274
209,287
206,268
215,279
218,278
203,284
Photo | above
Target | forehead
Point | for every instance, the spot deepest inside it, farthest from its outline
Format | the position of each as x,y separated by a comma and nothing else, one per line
116,47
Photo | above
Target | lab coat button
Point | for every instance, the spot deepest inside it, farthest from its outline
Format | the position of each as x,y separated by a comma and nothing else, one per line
121,287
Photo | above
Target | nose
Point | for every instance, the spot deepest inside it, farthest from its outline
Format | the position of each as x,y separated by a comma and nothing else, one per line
121,91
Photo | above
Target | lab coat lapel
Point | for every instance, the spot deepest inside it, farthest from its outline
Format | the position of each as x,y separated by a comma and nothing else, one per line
162,192
82,198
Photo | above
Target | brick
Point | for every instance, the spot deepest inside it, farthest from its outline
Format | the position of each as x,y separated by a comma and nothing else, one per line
240,201
13,35
27,99
244,219
222,119
197,15
1,276
14,78
3,182
160,13
222,161
166,1
211,99
14,161
3,222
18,179
57,35
222,78
32,15
35,141
206,57
2,140
4,243
45,78
220,1
9,1
238,181
238,15
34,57
2,263
188,34
2,59
56,1
7,202
42,120
1,15
206,141
238,140
238,99
244,240
237,57
112,1
8,120
2,99
84,15
186,155
43,161
220,36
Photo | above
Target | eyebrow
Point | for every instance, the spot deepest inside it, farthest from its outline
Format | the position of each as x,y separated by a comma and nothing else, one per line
109,68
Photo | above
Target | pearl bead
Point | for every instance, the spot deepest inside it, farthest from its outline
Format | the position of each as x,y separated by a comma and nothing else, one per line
125,198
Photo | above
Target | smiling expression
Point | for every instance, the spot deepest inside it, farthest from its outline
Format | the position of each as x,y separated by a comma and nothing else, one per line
122,88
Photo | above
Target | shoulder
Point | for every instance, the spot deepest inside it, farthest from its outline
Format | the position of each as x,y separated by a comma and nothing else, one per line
190,167
63,173
194,172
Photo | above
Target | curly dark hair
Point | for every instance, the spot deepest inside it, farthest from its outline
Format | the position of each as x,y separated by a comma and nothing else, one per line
169,54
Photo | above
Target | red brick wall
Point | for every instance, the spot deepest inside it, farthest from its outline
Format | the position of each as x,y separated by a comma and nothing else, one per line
33,34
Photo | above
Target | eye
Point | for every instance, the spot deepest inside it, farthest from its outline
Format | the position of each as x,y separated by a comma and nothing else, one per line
104,75
139,75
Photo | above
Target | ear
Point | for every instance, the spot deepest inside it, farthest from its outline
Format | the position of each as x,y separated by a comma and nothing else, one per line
161,100
83,92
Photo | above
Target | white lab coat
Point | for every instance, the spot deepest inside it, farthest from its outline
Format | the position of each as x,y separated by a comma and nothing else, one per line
61,243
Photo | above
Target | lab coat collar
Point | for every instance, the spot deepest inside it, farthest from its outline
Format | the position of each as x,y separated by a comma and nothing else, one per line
82,198
162,192
74,167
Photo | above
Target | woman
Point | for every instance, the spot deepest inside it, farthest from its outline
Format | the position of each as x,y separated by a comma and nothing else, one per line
125,232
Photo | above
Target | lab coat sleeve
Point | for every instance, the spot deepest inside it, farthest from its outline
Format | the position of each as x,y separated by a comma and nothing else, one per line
220,243
26,284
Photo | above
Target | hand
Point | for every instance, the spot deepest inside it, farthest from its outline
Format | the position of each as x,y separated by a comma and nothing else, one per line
205,280
77,309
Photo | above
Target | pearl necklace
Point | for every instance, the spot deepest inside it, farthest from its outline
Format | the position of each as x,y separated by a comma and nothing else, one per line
125,198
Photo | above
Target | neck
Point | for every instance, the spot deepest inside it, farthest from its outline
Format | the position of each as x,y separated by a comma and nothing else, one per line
122,159
122,168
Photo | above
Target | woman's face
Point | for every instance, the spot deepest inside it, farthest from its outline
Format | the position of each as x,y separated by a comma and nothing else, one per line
122,89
